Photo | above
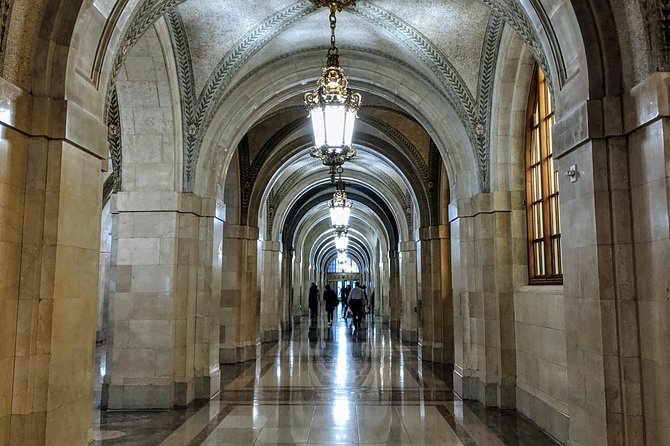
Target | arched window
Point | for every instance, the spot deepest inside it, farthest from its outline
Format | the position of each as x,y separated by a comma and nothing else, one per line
544,226
345,267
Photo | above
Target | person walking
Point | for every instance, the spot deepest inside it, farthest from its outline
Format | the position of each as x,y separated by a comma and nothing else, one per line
330,298
356,303
313,300
344,294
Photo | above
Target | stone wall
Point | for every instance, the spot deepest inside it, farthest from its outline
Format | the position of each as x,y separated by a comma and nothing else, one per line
542,381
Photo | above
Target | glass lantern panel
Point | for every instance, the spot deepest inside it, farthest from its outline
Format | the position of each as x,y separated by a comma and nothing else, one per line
339,215
341,242
334,120
349,127
318,127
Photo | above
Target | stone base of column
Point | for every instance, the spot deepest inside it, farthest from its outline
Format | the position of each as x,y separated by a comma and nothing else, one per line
432,352
235,354
409,335
489,394
271,335
286,327
147,396
553,421
207,386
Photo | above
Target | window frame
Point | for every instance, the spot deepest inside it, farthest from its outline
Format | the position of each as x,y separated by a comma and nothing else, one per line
549,243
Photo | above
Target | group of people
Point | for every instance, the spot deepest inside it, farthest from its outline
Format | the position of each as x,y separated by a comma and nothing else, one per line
354,300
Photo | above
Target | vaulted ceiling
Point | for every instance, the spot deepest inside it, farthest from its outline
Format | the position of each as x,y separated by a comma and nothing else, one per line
398,53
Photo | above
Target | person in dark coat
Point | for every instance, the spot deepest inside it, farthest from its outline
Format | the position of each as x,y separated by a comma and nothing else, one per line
313,300
330,298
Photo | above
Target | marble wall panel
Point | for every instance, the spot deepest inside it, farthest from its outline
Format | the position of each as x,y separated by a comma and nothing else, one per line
650,200
541,358
13,166
66,323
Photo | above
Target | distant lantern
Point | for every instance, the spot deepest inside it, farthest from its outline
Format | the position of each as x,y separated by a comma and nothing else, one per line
341,241
340,209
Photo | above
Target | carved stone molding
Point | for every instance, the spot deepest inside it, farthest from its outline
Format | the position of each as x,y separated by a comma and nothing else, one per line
114,140
276,197
402,142
249,169
515,17
187,93
487,71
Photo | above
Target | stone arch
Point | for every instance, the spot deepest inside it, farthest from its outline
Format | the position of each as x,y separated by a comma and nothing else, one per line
457,156
394,160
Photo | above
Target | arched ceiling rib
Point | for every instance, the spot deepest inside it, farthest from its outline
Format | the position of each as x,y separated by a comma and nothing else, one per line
319,195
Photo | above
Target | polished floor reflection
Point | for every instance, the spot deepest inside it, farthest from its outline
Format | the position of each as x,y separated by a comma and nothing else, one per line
327,385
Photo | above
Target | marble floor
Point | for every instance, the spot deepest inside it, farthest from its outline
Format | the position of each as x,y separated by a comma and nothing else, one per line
326,385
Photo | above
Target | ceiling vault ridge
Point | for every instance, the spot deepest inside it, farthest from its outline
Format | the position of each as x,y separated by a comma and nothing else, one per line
199,111
518,20
476,118
231,63
430,54
143,17
404,197
249,169
275,198
402,141
226,90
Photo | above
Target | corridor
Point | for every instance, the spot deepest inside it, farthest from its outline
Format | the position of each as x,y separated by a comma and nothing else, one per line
327,385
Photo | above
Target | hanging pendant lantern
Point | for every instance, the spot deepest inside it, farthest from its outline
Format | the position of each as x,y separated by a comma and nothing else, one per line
332,107
340,209
341,241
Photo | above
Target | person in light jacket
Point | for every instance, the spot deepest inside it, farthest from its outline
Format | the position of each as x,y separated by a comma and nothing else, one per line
357,302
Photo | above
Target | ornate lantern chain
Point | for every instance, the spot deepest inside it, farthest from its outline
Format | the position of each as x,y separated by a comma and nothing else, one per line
332,107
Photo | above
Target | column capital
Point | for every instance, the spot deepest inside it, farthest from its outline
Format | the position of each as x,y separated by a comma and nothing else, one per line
167,201
240,232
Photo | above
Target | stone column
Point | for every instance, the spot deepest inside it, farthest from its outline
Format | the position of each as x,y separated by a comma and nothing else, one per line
485,366
616,246
151,354
287,308
382,299
395,303
50,193
52,347
446,295
437,305
207,374
270,276
430,293
408,291
240,294
462,251
644,365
